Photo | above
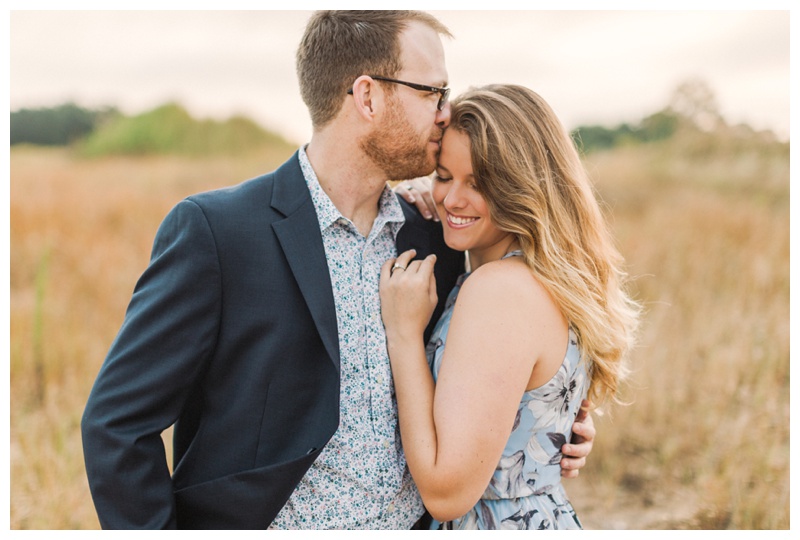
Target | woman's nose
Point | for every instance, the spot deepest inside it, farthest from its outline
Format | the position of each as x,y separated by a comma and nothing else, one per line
454,198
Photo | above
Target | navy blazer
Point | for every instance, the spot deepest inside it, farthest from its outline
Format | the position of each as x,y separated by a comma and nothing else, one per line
231,336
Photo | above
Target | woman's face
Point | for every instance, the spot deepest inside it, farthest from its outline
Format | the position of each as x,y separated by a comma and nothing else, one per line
462,209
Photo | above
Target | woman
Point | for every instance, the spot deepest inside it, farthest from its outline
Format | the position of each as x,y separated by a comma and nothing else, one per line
539,321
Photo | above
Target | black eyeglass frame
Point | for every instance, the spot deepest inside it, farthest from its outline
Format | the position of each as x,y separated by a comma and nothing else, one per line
443,92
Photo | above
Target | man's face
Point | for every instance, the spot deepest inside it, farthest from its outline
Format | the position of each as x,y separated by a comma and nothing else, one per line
401,149
406,143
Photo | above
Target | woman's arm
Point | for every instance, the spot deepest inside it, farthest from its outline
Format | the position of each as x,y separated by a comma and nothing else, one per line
453,436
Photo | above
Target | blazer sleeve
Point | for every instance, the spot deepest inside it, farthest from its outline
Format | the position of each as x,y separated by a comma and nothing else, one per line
168,334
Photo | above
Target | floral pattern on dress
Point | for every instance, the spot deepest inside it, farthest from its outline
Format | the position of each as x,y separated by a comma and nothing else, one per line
525,491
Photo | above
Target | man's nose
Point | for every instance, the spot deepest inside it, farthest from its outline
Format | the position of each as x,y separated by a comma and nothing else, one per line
443,116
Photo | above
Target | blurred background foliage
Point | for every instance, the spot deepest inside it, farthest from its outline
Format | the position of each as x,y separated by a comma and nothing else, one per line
56,126
170,129
167,129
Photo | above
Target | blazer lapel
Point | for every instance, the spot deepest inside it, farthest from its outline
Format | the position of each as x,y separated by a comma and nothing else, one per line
301,240
414,233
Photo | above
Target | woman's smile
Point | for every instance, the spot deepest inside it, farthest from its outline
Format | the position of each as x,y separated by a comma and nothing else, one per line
458,222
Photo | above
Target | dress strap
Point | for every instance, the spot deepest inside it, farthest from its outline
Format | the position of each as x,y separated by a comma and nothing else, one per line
515,253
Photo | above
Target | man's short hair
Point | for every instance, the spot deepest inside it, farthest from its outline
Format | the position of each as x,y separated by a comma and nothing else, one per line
340,46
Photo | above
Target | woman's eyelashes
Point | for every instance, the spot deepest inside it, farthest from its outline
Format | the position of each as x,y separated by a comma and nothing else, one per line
439,178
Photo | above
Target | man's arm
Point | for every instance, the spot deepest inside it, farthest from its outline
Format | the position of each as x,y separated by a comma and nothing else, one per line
169,330
576,451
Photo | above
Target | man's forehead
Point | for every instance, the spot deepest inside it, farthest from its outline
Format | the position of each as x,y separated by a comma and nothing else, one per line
422,54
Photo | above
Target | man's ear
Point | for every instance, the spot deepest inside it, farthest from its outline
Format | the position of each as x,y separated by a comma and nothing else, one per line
366,95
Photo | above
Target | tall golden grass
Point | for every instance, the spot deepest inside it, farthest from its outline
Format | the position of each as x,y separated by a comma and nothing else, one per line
704,444
705,440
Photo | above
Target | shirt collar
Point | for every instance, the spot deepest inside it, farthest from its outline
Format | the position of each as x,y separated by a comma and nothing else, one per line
389,209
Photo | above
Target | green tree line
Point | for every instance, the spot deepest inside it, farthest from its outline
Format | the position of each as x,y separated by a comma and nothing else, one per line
692,110
167,129
171,129
56,126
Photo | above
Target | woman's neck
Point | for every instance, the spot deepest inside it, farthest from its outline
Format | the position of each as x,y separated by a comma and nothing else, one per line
495,252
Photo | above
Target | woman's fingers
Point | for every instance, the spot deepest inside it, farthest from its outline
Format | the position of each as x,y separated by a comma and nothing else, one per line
403,260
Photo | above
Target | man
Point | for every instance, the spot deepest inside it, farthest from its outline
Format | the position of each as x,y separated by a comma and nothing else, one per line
256,328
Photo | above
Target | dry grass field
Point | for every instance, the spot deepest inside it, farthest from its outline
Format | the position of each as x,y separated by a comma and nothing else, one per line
703,444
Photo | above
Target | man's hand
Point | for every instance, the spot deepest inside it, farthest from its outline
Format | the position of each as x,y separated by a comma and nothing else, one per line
418,192
574,453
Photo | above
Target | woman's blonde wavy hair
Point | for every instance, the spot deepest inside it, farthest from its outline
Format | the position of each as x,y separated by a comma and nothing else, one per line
531,176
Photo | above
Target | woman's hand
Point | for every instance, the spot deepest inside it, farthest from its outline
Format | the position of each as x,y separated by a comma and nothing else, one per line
408,295
418,192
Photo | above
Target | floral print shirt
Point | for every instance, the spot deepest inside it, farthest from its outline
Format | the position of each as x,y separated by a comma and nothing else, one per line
360,479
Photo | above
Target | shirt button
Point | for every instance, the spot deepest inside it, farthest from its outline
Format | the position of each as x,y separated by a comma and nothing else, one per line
380,379
390,508
386,444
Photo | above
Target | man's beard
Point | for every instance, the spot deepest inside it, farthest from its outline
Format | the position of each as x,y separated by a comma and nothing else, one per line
395,148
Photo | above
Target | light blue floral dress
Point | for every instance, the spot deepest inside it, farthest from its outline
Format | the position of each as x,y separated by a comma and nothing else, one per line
525,491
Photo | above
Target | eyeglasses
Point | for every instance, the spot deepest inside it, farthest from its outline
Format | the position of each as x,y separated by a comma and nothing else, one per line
444,93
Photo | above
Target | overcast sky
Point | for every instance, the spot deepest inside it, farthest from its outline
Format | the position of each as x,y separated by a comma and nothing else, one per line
594,67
